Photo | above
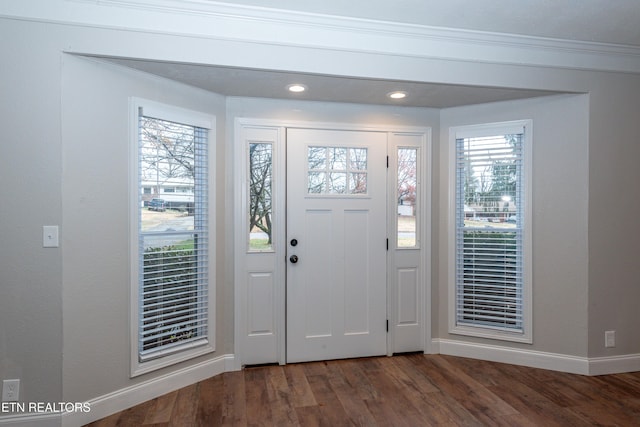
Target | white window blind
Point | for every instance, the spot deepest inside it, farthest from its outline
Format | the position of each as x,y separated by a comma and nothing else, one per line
489,230
172,241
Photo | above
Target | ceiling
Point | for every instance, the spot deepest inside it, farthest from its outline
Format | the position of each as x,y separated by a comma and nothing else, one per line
601,21
273,84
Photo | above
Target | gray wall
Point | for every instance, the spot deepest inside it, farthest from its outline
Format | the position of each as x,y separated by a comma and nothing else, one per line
31,196
614,210
63,312
560,212
95,210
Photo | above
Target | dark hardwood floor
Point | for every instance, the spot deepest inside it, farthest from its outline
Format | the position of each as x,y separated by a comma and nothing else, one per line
406,390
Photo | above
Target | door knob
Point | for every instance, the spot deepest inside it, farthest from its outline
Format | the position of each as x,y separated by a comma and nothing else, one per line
293,259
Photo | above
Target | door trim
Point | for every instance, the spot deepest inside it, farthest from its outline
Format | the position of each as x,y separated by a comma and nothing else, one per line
267,342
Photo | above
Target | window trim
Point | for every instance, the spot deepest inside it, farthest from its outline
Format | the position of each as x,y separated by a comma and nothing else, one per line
481,130
191,118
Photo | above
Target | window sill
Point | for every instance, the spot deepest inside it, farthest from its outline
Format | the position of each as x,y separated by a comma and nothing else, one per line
185,353
492,334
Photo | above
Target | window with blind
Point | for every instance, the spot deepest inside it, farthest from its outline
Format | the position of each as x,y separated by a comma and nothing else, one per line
492,291
172,267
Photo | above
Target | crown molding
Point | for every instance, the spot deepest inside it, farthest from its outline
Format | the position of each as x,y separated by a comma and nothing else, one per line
226,21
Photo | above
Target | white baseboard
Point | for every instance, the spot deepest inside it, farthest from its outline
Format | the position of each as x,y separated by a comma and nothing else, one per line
122,399
539,359
614,364
515,356
32,420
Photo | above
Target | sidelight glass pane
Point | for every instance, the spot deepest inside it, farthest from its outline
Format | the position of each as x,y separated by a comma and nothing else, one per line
407,181
260,196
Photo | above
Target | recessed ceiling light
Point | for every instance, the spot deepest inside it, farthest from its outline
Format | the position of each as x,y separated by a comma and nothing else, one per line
397,95
297,87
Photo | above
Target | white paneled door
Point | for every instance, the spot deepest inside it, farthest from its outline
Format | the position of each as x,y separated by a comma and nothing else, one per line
336,244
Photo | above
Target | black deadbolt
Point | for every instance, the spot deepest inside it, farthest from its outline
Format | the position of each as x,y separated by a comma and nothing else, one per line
294,242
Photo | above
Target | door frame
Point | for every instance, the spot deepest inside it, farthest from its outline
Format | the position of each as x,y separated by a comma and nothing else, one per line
259,277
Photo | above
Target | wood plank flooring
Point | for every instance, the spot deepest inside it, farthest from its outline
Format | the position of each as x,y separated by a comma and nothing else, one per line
407,390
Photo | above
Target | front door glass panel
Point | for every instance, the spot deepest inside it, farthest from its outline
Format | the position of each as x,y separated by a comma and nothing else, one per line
336,170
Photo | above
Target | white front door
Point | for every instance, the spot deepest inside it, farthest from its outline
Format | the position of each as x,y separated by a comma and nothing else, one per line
336,244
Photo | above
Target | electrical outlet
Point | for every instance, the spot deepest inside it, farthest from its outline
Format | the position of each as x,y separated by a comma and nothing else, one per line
10,390
610,338
50,236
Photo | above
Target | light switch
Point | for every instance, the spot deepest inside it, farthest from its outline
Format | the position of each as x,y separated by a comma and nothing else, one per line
50,237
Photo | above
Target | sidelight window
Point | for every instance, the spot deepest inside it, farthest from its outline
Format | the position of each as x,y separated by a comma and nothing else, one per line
407,197
260,196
